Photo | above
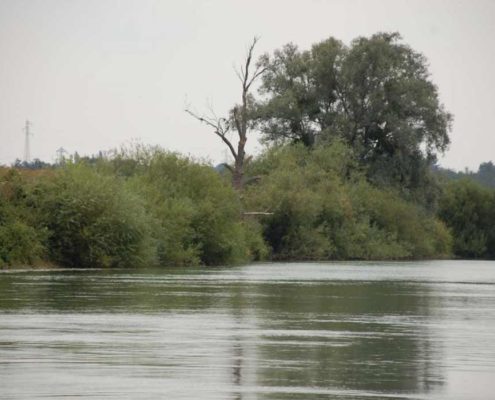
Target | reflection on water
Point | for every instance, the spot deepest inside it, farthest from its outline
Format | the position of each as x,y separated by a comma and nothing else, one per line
281,331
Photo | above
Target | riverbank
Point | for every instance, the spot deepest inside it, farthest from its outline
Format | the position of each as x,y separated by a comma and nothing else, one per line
147,207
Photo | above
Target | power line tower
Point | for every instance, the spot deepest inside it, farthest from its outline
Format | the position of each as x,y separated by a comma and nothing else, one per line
27,147
60,155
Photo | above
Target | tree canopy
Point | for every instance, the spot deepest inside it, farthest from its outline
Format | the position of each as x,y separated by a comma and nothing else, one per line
375,94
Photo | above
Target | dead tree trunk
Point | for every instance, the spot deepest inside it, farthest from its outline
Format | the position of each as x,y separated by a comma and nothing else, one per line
238,120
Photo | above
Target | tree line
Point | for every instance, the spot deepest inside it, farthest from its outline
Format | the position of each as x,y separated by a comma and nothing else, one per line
485,175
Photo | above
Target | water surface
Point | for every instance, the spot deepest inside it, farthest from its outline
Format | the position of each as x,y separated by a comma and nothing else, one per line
422,330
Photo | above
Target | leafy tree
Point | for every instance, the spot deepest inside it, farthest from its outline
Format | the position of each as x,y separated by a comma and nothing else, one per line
300,92
35,164
468,209
376,95
486,174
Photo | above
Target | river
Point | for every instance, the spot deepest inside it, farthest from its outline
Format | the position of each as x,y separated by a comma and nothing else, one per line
411,330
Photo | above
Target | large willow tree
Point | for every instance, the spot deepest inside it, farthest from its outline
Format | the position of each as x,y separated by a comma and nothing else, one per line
376,95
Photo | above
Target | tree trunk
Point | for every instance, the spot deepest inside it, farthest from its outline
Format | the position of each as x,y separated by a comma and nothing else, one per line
237,178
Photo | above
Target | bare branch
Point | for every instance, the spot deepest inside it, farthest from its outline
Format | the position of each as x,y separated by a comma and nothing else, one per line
228,167
252,179
212,111
248,63
257,213
257,73
201,118
218,129
238,73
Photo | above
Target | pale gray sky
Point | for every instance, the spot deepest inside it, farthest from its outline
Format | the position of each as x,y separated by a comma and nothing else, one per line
94,74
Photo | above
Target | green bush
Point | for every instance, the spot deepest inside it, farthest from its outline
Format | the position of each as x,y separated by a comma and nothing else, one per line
94,221
199,214
468,209
411,230
323,208
21,242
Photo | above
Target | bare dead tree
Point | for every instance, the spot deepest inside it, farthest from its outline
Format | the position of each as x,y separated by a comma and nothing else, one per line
239,118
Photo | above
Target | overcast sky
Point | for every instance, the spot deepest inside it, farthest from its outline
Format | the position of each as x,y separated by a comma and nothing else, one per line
94,74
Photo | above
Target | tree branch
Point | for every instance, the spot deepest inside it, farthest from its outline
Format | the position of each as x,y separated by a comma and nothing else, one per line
218,129
228,167
257,213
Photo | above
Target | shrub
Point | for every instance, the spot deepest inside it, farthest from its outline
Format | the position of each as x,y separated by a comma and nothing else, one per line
323,208
468,209
93,221
199,214
21,242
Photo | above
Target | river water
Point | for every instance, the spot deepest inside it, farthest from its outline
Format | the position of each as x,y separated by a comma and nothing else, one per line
422,330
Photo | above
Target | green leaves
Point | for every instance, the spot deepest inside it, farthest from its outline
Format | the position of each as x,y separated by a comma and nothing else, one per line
142,207
197,214
375,95
94,220
323,208
21,241
468,209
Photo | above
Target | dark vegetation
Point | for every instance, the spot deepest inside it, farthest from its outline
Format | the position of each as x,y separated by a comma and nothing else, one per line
485,175
469,210
352,134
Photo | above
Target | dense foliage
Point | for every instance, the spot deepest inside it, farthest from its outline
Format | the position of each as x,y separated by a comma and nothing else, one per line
143,207
147,207
323,208
92,220
469,210
22,241
375,95
484,176
197,214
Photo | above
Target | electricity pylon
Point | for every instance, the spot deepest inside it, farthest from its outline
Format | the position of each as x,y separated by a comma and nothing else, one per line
27,147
